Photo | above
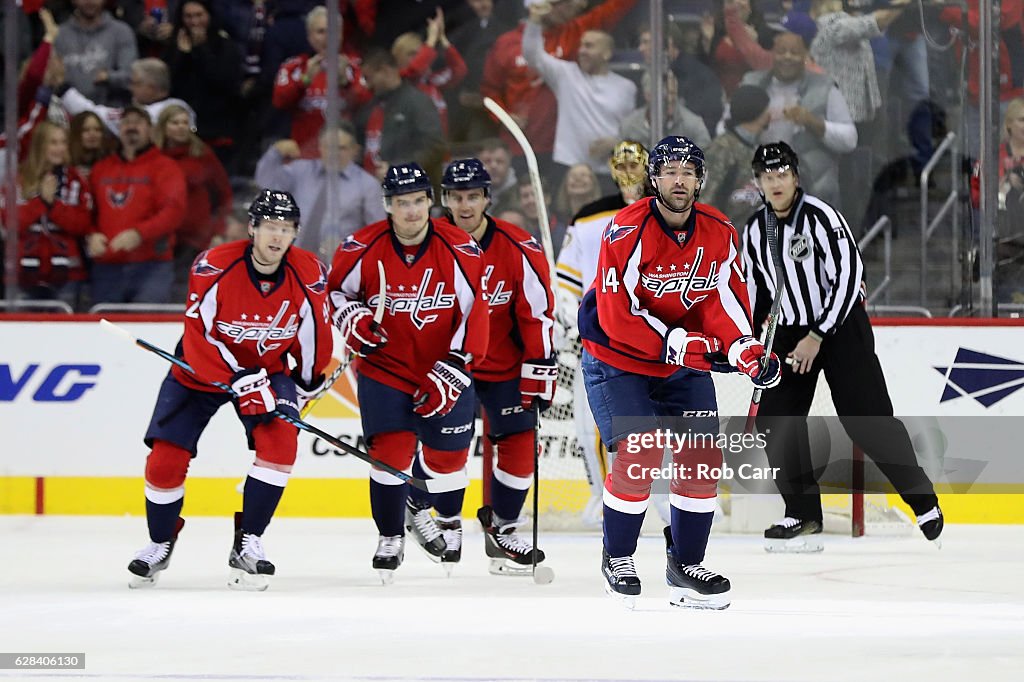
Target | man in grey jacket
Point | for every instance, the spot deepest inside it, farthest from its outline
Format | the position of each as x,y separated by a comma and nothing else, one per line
98,51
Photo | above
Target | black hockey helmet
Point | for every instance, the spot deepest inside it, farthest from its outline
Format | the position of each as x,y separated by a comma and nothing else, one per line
774,156
675,148
406,178
273,204
466,174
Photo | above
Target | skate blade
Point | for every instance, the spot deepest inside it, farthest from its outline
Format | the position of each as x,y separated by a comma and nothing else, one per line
801,544
449,567
139,583
247,582
626,600
937,542
685,598
387,576
507,568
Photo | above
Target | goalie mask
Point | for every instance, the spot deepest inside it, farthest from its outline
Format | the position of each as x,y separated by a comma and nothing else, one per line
629,166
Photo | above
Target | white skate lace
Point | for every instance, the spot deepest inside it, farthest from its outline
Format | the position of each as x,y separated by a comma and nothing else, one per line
698,572
154,552
509,539
931,515
622,567
252,546
787,522
425,524
452,535
389,545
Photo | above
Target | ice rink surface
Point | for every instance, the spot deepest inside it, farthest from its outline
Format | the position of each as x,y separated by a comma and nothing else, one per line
871,609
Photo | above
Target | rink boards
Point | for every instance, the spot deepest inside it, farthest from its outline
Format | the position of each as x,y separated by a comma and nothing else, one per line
75,402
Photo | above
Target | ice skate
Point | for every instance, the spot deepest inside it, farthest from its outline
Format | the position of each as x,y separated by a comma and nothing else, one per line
793,535
451,529
931,524
388,557
150,560
250,568
425,531
692,586
622,582
510,553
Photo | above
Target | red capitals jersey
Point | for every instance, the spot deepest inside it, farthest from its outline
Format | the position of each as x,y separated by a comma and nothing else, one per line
519,299
308,104
434,301
237,321
651,280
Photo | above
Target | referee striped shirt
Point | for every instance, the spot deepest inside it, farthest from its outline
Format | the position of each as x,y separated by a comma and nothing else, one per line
822,269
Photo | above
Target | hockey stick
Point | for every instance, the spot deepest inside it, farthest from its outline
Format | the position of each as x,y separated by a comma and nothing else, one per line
534,170
378,317
542,575
441,484
768,339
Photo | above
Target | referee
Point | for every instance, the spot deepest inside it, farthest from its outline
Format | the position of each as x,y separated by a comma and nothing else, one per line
822,327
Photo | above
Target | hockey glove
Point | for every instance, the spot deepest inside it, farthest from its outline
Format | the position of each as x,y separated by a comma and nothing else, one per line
306,392
362,335
253,393
537,383
441,388
689,349
747,354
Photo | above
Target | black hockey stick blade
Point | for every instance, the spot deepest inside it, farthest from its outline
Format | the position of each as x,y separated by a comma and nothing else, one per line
440,484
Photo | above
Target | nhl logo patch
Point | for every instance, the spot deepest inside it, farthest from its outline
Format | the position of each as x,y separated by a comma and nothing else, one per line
799,247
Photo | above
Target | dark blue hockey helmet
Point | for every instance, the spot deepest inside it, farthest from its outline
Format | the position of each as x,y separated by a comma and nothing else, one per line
466,174
674,148
273,204
406,178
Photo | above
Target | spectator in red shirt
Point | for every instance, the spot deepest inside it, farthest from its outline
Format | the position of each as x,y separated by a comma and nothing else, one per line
208,191
88,141
428,68
54,211
301,86
140,202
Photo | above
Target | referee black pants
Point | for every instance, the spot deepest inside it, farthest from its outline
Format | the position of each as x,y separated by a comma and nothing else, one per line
862,402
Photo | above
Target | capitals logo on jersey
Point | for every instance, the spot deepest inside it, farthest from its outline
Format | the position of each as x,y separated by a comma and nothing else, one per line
319,286
532,245
351,245
497,294
202,267
119,199
415,300
470,248
614,232
263,332
682,280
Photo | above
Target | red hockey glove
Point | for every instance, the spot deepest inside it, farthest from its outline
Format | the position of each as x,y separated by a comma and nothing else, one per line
362,335
689,349
253,393
441,388
537,382
747,354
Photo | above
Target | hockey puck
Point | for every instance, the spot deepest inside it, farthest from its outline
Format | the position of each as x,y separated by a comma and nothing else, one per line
543,575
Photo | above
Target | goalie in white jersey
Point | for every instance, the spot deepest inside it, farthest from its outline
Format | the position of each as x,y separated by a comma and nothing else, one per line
575,270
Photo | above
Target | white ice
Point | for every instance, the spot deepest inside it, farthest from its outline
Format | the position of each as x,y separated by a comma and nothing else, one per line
870,609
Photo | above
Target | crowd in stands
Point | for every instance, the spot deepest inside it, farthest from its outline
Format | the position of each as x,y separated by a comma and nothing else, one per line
146,125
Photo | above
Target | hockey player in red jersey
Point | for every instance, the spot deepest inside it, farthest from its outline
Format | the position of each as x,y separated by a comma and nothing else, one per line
669,294
252,305
517,376
413,373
